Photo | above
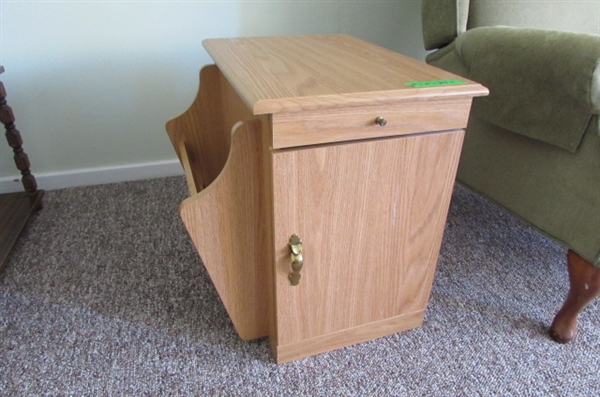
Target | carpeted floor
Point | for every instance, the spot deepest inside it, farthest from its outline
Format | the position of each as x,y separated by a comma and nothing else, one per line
104,295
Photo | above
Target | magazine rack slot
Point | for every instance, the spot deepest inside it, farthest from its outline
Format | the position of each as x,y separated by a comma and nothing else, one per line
225,213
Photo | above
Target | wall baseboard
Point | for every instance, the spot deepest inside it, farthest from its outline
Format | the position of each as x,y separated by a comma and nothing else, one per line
95,176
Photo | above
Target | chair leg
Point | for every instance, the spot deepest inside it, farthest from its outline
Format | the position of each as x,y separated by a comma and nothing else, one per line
584,281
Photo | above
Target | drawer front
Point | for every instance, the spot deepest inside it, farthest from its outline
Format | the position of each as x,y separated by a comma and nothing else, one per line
303,128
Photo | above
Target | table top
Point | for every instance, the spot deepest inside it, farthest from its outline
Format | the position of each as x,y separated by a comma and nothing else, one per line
295,73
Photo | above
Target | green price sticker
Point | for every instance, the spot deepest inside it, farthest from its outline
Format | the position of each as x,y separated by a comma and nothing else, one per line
435,83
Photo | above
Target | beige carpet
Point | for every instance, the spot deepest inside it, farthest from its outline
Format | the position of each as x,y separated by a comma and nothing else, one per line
104,295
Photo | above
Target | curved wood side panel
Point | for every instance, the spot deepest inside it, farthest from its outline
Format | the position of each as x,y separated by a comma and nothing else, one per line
187,167
203,130
226,223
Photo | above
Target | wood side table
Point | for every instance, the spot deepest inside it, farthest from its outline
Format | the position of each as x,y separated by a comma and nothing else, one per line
320,171
15,208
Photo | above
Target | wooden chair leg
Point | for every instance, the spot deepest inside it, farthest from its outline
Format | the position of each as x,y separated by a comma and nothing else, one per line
584,281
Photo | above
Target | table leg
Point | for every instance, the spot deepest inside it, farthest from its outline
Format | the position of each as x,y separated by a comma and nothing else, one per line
13,136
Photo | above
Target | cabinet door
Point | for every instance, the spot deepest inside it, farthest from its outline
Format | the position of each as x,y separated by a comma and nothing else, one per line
371,216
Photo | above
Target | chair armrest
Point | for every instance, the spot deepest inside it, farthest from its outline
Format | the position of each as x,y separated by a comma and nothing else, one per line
543,84
443,21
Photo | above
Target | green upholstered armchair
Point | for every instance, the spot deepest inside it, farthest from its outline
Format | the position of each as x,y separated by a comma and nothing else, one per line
532,145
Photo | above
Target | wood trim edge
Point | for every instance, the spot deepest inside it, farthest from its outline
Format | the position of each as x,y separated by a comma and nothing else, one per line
347,337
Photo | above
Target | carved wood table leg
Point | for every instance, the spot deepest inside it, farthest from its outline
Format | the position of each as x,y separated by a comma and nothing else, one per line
15,208
584,281
13,136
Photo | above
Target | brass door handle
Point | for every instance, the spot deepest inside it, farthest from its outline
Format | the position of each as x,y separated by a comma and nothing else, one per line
296,257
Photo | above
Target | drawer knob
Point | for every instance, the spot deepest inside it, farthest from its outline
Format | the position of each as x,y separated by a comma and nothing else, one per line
295,245
381,121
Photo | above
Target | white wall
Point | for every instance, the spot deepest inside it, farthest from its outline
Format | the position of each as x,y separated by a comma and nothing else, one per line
92,83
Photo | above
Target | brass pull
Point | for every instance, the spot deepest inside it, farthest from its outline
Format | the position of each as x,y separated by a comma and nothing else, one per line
295,245
381,121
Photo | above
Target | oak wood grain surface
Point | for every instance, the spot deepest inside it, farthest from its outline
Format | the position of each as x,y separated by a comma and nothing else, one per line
283,139
225,223
221,146
293,73
371,216
313,127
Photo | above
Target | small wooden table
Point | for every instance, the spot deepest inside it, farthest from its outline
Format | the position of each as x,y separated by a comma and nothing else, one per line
320,171
15,208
